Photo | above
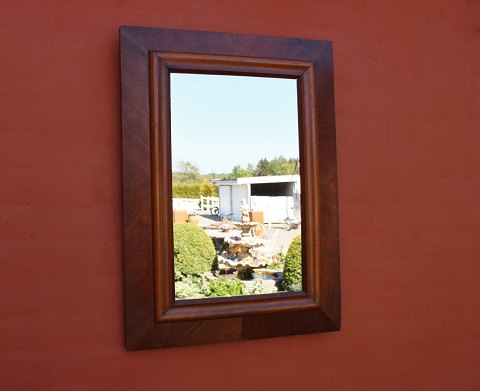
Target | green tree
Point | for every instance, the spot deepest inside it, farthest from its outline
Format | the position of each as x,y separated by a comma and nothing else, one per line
262,168
186,172
279,165
282,166
239,172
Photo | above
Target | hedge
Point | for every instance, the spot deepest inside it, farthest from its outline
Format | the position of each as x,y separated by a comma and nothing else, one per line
194,190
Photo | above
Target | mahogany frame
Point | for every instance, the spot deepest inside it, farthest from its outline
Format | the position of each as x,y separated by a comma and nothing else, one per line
154,319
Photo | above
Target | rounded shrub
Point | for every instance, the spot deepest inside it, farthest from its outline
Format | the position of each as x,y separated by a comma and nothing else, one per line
292,270
193,250
223,286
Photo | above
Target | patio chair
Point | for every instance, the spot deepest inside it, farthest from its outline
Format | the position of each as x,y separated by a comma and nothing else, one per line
258,231
268,249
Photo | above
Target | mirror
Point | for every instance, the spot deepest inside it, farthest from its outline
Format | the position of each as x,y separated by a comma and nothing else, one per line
176,136
235,185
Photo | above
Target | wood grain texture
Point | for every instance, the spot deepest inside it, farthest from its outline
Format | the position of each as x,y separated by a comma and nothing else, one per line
153,318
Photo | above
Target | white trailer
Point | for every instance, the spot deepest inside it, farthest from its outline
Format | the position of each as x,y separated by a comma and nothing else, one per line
277,196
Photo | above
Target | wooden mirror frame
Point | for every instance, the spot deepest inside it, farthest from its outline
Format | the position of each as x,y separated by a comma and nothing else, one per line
154,319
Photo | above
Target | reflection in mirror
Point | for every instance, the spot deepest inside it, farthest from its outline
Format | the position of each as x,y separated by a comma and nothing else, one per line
235,185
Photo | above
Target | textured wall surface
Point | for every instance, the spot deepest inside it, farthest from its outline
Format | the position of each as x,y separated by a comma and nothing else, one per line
408,131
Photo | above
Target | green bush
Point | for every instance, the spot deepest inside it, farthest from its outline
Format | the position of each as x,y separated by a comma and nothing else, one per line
292,271
208,189
194,190
224,286
257,288
193,250
190,287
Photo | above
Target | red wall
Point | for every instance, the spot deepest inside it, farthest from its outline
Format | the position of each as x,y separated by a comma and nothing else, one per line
408,128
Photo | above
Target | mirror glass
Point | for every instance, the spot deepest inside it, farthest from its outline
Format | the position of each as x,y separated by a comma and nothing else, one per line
235,185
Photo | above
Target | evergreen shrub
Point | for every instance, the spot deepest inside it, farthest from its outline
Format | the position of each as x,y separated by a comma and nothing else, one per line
292,271
193,250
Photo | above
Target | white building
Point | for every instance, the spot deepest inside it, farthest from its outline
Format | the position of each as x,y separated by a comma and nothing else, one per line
276,196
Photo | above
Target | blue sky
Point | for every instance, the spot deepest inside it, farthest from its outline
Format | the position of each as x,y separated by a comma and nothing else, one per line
222,121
